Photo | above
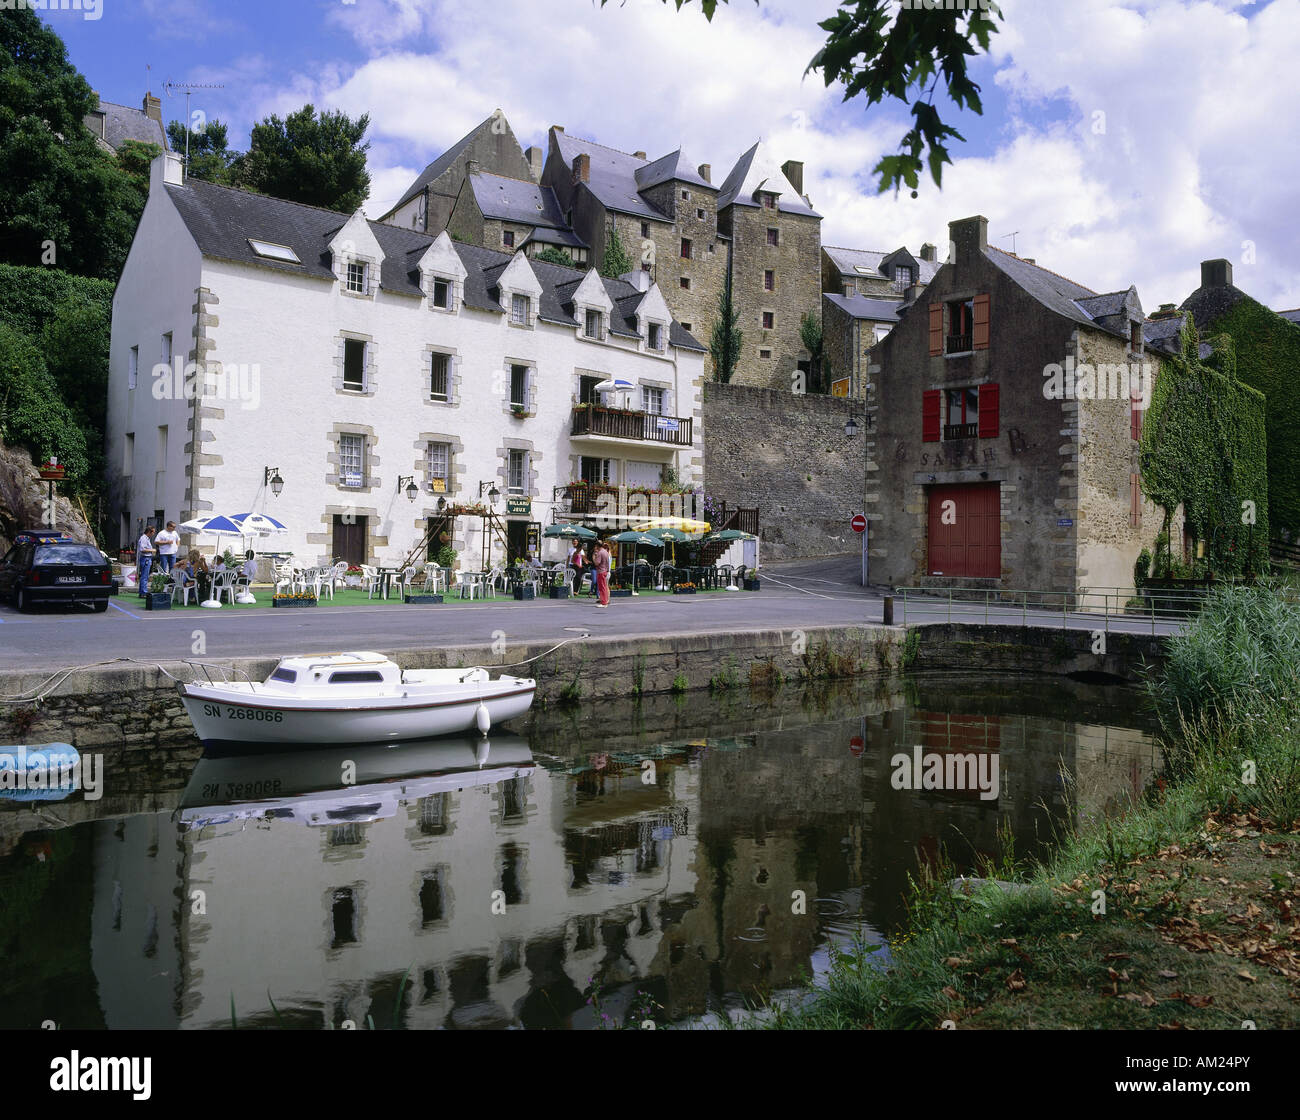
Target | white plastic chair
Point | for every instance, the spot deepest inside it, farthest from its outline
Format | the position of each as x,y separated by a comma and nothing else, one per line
323,581
284,577
185,591
664,565
495,576
338,574
434,580
371,579
224,584
469,585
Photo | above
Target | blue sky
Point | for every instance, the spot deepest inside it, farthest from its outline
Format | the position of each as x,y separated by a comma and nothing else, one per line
1123,141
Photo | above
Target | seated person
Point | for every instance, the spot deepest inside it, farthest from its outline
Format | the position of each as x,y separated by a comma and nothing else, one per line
183,573
248,571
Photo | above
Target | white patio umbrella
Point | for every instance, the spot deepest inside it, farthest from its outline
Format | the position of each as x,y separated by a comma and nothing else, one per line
261,524
614,385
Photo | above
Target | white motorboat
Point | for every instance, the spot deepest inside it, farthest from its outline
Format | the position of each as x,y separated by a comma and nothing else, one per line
319,699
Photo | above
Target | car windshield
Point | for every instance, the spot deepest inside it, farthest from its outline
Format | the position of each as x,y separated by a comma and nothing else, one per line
68,554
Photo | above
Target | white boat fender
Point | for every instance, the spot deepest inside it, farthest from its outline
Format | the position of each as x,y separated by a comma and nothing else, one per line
482,719
481,752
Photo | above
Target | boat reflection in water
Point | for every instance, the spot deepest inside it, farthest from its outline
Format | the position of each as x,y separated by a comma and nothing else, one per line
345,785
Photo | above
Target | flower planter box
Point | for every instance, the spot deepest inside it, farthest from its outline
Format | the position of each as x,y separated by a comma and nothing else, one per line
750,585
422,599
293,602
620,592
352,581
685,590
560,592
523,593
158,601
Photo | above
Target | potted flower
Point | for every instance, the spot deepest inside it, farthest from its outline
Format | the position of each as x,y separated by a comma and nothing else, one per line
352,577
158,598
297,599
684,589
519,411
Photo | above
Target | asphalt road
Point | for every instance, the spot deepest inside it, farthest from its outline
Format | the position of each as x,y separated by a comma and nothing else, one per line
794,595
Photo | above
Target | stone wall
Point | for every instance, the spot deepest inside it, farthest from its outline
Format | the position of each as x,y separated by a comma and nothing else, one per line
787,455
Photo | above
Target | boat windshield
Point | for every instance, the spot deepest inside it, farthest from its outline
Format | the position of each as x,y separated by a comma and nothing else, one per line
288,675
355,676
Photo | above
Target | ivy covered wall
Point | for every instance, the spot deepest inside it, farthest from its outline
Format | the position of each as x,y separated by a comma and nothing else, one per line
1204,447
1268,359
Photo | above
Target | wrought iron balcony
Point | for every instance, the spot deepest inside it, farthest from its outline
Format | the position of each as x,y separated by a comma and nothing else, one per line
957,344
961,431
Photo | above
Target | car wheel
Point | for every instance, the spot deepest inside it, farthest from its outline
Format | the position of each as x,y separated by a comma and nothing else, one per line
101,605
20,601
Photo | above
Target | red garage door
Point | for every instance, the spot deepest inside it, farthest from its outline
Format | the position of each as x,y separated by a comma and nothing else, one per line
966,531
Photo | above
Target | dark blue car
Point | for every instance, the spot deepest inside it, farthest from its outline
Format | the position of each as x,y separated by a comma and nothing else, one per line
50,567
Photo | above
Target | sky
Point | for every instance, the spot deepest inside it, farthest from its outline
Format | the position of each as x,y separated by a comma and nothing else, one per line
1122,141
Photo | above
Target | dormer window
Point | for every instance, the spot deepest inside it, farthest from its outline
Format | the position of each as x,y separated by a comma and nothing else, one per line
655,336
508,238
441,293
902,277
591,324
519,310
356,277
1135,336
769,200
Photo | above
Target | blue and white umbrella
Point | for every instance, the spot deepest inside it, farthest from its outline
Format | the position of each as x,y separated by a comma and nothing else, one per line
263,524
215,524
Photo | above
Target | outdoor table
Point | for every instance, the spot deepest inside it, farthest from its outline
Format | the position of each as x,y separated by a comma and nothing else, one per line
386,579
468,579
442,581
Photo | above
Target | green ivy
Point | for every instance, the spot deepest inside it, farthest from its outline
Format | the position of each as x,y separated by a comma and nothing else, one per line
1203,447
1268,359
29,297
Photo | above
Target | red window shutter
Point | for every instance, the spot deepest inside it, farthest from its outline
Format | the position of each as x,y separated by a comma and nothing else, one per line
1135,420
930,401
936,329
980,327
988,412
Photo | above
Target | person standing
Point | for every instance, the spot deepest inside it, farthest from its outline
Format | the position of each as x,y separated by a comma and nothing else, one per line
167,542
144,554
600,561
577,560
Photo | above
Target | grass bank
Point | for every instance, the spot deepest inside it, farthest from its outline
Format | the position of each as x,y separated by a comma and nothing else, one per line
1183,913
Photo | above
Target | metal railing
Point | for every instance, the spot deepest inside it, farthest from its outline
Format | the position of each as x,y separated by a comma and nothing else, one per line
651,427
957,344
1092,604
961,431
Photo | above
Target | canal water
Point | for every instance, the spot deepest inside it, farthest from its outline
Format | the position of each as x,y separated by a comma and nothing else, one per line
673,859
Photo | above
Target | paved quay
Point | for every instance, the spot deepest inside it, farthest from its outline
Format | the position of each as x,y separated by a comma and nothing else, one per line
795,595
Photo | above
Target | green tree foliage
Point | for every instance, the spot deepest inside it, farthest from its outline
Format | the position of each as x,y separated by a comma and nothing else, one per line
554,255
1203,447
879,50
810,334
616,261
75,344
60,187
210,157
724,342
32,415
134,158
320,161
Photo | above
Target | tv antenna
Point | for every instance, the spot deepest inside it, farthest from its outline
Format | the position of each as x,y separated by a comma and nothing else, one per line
189,88
1013,241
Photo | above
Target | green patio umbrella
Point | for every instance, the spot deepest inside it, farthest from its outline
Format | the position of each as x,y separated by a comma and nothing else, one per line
569,532
634,537
728,535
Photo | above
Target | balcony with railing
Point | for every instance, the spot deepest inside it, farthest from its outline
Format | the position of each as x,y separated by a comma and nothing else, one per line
618,423
961,431
957,344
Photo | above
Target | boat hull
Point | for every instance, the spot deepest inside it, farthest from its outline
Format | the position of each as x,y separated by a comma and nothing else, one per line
226,720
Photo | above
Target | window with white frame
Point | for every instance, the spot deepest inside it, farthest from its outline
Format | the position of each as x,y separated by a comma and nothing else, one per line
356,281
519,309
132,367
352,459
354,364
652,400
655,336
518,386
591,326
516,471
442,289
437,467
439,377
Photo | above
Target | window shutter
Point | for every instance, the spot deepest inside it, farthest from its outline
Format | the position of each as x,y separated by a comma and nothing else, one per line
988,412
936,329
930,401
980,326
1135,417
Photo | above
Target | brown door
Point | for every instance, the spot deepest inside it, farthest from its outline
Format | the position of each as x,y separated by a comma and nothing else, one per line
350,539
966,531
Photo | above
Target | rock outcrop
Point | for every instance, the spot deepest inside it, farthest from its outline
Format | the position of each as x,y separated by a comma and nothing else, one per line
22,493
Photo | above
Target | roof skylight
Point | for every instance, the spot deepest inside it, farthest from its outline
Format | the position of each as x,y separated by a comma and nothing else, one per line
273,252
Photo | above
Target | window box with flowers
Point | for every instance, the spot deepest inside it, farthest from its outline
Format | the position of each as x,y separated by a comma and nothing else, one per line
684,589
297,599
519,412
352,577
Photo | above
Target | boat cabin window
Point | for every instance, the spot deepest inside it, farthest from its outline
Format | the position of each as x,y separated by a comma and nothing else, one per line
355,676
289,675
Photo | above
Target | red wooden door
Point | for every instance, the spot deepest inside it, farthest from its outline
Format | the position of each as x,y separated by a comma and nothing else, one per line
966,531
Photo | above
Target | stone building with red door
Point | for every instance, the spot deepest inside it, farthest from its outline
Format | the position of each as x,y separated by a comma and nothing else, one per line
1007,410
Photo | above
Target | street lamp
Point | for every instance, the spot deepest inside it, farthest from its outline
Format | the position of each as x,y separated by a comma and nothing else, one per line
411,489
442,505
493,494
271,477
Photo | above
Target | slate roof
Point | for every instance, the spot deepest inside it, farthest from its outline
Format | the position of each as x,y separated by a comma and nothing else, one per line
514,200
1109,303
612,177
1210,304
753,170
864,307
849,260
1052,290
1291,316
121,123
222,219
437,167
672,166
1163,334
565,238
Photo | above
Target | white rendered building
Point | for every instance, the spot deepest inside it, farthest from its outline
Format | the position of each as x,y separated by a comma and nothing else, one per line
255,338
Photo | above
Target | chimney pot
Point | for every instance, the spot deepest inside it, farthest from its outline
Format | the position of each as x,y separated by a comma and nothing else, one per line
1216,274
152,107
792,169
928,252
534,157
970,237
706,172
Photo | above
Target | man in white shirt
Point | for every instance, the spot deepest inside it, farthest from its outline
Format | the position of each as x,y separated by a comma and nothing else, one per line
144,554
167,542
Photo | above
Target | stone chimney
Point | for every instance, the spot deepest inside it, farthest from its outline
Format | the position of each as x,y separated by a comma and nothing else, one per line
534,157
472,167
929,252
557,128
1166,311
639,279
706,172
582,168
792,169
970,237
638,155
152,107
1216,274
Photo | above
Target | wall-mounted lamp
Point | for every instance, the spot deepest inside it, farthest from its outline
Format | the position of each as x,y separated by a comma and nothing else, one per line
493,494
271,477
411,489
442,505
